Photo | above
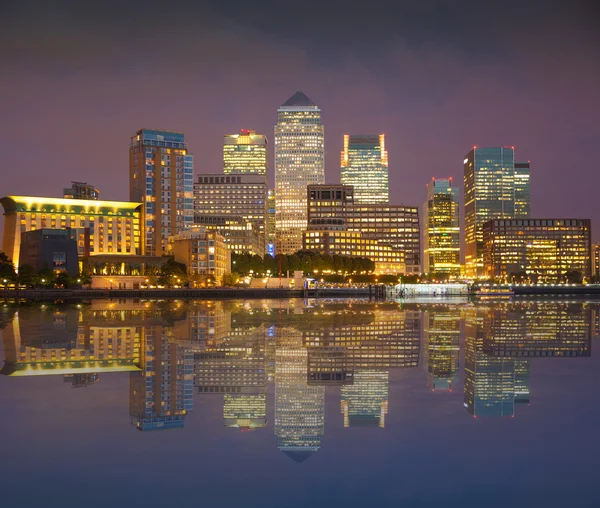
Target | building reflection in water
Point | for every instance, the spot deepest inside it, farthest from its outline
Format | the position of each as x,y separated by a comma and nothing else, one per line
176,350
365,401
442,346
499,341
299,406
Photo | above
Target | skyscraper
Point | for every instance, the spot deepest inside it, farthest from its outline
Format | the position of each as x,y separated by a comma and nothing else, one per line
299,161
441,228
161,173
245,152
364,165
489,177
522,191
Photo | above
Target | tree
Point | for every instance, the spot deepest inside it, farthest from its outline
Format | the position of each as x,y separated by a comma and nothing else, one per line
28,276
7,270
574,277
230,279
172,274
63,280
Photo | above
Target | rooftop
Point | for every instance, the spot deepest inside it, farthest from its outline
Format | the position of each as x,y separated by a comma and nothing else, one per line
298,100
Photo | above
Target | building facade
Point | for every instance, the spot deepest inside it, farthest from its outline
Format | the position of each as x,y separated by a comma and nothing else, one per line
245,152
81,190
239,195
161,176
364,165
489,180
101,227
522,190
271,228
441,228
333,207
205,255
595,260
299,161
352,243
52,249
240,235
539,250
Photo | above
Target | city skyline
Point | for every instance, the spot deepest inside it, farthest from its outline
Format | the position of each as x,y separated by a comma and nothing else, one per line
419,90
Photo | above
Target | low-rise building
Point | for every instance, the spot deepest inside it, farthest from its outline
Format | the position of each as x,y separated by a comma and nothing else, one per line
50,249
539,250
352,243
205,255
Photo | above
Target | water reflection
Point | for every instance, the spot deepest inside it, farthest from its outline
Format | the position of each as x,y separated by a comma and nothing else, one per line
242,352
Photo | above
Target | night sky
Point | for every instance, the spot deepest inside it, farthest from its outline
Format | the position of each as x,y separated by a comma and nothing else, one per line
437,77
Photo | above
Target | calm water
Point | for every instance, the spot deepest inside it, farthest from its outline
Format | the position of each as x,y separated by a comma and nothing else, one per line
300,403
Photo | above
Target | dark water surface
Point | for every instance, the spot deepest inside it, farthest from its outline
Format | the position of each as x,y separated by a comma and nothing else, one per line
300,403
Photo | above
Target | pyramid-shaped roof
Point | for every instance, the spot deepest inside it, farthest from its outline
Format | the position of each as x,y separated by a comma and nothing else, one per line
298,456
298,99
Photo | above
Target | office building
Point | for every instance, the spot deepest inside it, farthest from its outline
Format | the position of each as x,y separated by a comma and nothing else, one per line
489,179
101,227
522,190
162,393
299,406
244,153
442,343
441,228
239,234
539,250
161,176
489,387
81,190
299,161
365,401
364,165
595,260
537,330
205,255
51,249
236,195
271,229
245,411
333,208
351,243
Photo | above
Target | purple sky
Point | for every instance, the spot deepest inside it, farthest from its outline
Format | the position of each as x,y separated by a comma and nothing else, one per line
437,77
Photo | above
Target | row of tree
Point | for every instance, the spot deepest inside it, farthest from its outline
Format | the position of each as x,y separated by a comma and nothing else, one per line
309,262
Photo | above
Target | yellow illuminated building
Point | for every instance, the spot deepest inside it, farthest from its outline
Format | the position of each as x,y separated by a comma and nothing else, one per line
299,161
441,228
537,250
364,165
365,401
41,342
245,152
102,227
205,255
352,243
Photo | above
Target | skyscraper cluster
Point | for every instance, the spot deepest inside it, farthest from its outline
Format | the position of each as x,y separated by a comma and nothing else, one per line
351,218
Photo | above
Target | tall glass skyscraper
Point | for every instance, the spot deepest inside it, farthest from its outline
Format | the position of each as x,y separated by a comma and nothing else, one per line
161,176
441,228
522,190
364,165
489,177
245,152
299,161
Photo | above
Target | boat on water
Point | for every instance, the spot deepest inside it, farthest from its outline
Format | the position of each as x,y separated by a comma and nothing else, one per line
495,292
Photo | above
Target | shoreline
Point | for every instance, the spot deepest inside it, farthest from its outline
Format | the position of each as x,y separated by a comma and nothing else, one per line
206,294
